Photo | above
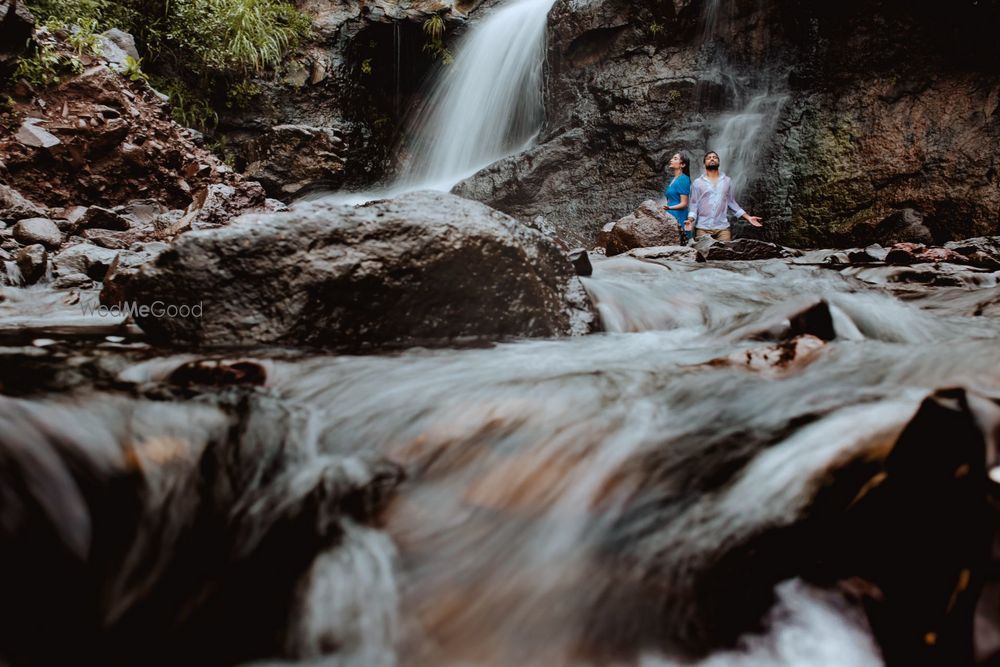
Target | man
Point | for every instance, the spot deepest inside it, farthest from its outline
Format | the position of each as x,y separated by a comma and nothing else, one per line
711,195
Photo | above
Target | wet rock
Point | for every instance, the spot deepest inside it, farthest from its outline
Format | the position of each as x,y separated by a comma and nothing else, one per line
783,357
672,253
107,239
84,258
292,157
581,262
743,249
218,205
13,206
873,253
98,217
73,281
902,226
647,226
32,262
983,251
428,268
902,254
216,372
38,230
179,477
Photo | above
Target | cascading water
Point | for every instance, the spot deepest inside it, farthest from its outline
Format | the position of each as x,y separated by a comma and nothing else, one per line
485,105
739,135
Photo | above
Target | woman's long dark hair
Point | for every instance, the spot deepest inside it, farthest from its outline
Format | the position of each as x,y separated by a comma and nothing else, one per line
687,164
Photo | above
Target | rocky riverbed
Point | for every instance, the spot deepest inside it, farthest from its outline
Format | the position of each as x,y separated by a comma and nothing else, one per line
430,431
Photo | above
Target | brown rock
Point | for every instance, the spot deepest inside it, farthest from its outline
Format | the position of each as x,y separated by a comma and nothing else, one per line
648,226
38,230
13,206
32,261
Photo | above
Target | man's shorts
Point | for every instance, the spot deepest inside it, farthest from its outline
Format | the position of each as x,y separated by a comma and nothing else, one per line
717,234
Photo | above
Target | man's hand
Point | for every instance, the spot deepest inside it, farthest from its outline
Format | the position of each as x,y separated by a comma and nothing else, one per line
688,225
754,220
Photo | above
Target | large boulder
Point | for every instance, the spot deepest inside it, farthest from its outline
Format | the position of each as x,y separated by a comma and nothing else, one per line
648,226
429,268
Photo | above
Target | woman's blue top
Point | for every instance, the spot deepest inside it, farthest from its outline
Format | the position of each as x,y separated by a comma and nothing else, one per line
681,185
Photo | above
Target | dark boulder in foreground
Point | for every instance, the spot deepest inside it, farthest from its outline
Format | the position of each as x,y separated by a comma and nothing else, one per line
428,268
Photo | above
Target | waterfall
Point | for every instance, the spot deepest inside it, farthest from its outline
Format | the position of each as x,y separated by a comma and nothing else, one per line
487,104
484,106
739,136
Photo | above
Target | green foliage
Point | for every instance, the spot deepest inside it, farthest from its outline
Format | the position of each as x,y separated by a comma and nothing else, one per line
236,36
45,67
133,70
241,95
434,28
188,107
210,37
83,37
366,66
655,28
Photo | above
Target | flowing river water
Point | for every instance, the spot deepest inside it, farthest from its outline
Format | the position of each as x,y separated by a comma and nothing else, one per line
602,500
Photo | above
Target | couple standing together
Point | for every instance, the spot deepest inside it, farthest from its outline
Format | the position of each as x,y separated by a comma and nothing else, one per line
700,207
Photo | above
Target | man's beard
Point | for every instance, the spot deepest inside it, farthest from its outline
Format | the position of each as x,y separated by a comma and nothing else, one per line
712,167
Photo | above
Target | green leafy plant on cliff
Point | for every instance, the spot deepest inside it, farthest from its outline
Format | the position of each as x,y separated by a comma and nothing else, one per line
133,70
45,67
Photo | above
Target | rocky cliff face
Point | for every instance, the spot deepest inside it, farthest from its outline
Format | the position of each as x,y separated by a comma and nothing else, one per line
842,119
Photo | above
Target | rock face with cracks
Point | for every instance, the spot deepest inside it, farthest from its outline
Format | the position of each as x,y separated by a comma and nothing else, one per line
429,268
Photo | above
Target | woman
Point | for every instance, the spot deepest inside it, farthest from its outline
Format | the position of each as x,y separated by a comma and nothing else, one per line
678,191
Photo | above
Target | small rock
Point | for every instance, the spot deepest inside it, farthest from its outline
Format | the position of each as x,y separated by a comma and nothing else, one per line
13,206
97,217
73,280
84,258
38,230
31,135
671,253
581,262
745,250
107,239
31,261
